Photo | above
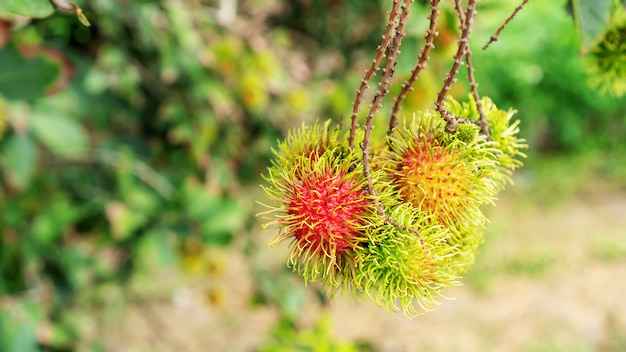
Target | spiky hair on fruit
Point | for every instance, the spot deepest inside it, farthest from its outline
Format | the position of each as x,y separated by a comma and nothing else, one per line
441,174
407,264
503,132
319,204
310,140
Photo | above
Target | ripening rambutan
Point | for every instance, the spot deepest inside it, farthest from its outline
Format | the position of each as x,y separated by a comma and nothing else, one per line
439,174
407,263
320,205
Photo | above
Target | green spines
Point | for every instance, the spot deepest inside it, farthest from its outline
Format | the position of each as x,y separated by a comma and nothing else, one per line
419,231
407,264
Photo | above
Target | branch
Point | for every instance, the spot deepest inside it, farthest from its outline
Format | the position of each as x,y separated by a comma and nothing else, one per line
459,10
466,28
494,37
393,16
431,33
388,72
482,123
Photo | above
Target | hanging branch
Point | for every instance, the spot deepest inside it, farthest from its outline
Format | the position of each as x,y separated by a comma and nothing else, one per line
383,86
494,37
482,123
459,10
382,48
407,86
466,28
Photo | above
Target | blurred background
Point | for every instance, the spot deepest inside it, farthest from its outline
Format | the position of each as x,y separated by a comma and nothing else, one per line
131,167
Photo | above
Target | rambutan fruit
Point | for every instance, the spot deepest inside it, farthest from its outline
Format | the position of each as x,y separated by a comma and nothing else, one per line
320,205
407,263
440,175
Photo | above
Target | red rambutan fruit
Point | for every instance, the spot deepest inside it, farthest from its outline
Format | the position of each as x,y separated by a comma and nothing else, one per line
321,205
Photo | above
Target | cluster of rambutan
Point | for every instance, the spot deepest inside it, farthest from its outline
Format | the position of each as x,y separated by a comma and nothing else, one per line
401,245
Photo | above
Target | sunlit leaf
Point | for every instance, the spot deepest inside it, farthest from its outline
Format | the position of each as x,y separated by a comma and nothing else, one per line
64,137
19,158
29,8
592,20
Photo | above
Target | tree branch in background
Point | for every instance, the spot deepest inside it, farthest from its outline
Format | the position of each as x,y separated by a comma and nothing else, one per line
494,37
431,33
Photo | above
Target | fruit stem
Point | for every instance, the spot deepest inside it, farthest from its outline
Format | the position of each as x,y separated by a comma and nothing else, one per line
369,73
466,29
495,36
431,33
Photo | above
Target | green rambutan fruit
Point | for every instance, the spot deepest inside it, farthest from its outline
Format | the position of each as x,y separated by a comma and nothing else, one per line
407,264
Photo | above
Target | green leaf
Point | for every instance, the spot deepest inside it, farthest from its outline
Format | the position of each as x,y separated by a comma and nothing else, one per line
29,8
19,157
26,78
593,19
64,137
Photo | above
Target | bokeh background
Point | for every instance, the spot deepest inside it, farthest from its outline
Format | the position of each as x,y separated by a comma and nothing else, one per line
131,173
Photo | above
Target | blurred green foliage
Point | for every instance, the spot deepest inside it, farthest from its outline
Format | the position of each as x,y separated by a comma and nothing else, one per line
129,142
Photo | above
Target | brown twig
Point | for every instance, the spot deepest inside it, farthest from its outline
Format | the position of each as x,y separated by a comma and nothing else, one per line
459,10
383,86
382,48
466,28
407,86
495,36
482,123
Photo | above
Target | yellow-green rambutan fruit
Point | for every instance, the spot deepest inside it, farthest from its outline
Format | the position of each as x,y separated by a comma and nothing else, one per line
406,264
441,175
